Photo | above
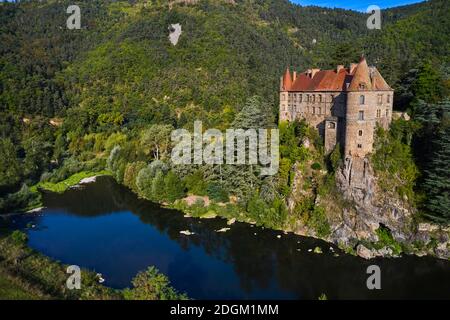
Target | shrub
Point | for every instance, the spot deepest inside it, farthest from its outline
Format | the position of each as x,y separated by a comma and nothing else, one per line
216,192
316,166
385,239
319,222
19,237
130,175
152,285
196,183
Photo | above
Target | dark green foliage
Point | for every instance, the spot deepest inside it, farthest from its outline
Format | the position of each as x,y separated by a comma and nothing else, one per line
19,237
216,192
152,285
21,200
10,168
174,187
393,161
335,158
385,239
316,166
271,215
428,85
196,183
436,183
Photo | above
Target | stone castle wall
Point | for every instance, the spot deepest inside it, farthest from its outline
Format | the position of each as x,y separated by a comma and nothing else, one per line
340,117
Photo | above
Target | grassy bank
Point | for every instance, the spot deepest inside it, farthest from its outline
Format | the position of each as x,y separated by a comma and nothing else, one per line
12,288
71,181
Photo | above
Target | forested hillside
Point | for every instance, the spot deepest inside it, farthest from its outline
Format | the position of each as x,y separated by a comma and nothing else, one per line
118,86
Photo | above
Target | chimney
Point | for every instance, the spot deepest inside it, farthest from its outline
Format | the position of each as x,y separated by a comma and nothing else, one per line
294,76
314,71
352,67
339,68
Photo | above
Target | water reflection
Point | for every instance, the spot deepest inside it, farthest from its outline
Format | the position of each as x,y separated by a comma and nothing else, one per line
105,227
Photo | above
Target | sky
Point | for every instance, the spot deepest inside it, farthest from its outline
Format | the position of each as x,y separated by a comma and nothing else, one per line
359,5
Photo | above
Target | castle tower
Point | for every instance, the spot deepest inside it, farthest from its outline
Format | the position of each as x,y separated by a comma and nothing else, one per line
360,112
285,86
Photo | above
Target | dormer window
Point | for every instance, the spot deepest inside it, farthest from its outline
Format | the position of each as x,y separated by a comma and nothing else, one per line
362,99
362,86
380,99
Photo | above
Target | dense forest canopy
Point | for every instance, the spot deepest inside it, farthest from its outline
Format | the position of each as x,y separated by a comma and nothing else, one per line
118,76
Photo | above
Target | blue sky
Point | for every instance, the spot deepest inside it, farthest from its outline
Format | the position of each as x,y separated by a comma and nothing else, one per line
359,5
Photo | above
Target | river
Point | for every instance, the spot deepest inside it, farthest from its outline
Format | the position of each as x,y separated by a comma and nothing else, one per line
105,227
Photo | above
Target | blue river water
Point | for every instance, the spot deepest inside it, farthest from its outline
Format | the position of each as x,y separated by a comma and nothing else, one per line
104,227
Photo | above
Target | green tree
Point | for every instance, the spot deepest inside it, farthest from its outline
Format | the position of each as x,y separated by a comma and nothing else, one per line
428,85
174,187
156,140
152,285
10,169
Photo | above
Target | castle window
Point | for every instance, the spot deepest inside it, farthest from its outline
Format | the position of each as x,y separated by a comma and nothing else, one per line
388,98
361,99
387,113
362,86
314,110
300,98
320,98
380,99
378,113
314,98
359,146
361,115
360,133
307,98
320,110
331,125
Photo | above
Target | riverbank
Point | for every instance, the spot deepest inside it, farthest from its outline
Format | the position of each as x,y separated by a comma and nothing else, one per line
428,237
26,274
75,179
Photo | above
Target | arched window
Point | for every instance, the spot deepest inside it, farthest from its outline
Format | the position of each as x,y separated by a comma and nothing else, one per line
361,99
360,133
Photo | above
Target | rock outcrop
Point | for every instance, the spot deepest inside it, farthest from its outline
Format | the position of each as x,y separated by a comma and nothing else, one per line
373,208
364,208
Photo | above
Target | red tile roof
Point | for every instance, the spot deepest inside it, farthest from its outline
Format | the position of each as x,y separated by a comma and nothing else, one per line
331,80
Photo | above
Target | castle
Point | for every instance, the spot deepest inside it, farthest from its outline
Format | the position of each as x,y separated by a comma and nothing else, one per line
344,104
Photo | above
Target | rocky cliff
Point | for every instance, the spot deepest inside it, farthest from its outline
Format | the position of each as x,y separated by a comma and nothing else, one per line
371,222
